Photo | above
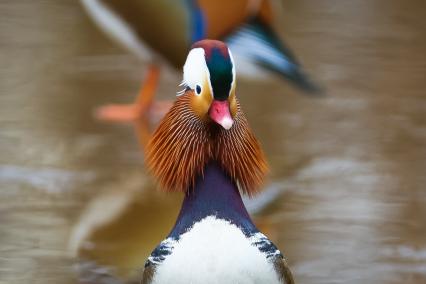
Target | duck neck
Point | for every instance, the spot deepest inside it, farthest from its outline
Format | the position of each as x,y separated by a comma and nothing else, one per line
214,194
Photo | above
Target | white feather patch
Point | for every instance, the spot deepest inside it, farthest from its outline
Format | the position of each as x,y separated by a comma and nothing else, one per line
233,73
195,71
215,251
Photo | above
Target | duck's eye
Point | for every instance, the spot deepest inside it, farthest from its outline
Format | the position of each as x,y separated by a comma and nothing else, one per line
198,89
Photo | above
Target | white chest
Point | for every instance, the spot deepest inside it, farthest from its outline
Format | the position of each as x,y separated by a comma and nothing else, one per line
215,251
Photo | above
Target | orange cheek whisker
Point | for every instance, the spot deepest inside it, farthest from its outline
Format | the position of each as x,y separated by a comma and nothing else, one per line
183,144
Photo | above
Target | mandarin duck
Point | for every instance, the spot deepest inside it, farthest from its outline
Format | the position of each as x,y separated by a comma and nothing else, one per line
205,148
163,30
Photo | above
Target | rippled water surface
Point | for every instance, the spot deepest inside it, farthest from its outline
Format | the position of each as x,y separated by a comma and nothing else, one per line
348,170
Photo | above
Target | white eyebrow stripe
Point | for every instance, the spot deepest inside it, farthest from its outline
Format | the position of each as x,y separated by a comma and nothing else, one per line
233,72
195,70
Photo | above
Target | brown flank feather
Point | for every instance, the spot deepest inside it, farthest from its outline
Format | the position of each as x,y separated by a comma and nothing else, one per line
183,144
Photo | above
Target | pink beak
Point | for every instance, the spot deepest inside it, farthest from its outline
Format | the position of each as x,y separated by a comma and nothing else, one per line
219,113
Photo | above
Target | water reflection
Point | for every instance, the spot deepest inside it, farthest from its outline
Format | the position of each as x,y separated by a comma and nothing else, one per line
348,170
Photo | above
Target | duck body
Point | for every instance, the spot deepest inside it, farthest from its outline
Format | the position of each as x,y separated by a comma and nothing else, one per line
161,31
205,148
215,241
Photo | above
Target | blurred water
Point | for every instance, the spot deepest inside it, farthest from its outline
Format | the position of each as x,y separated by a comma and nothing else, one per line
348,170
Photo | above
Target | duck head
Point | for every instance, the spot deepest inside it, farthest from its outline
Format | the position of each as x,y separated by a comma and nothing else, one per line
209,72
206,124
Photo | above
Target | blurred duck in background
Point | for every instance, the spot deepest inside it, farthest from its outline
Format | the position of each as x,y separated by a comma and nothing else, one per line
163,30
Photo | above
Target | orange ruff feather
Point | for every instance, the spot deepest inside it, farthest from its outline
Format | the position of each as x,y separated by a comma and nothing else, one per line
183,144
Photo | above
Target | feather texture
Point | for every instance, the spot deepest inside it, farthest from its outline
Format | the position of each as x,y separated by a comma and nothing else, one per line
183,144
